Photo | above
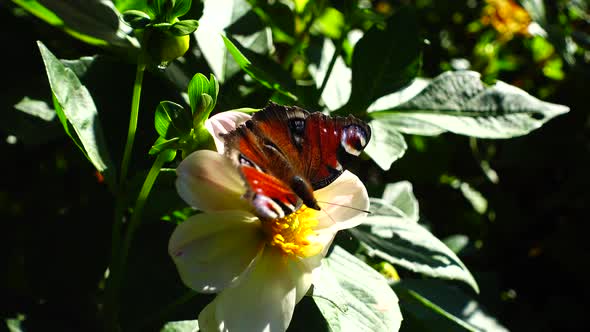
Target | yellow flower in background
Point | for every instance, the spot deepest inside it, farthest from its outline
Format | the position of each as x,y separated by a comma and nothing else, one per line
507,17
260,268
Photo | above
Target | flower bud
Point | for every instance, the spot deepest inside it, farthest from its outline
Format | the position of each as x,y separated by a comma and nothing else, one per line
164,47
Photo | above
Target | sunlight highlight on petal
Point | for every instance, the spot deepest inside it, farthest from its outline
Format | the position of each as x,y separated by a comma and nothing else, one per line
262,302
350,193
209,182
212,250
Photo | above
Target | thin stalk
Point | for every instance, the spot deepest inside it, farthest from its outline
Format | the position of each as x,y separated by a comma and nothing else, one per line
139,205
111,305
331,66
132,119
121,250
293,51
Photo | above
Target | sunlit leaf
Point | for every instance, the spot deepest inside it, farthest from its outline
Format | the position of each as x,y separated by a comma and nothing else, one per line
79,109
460,103
36,108
401,195
386,145
136,19
237,16
411,246
198,85
163,144
337,89
181,326
90,20
183,28
268,78
172,120
352,296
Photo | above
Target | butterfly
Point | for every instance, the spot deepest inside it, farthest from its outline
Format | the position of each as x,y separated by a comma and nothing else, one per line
284,153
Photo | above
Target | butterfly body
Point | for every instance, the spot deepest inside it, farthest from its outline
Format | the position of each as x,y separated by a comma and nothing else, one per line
284,153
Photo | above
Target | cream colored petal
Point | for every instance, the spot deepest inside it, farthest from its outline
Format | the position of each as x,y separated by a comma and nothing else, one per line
212,250
263,301
351,196
222,123
209,181
300,271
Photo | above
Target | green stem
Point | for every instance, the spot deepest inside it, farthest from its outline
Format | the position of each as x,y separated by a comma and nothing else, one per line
120,250
139,205
331,65
111,304
132,119
299,43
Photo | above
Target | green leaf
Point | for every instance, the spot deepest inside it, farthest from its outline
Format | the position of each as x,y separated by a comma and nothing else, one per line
460,103
136,19
203,110
235,16
384,60
408,244
352,296
124,5
92,21
79,110
198,85
181,326
213,89
386,144
163,144
171,120
183,28
437,306
180,8
264,77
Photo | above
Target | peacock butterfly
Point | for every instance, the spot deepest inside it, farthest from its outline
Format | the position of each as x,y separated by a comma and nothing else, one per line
284,153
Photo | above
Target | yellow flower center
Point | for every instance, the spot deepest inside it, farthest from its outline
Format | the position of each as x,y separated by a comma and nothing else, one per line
293,234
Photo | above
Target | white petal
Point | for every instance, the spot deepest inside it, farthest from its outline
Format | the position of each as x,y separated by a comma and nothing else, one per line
300,271
209,181
212,250
351,196
264,301
222,123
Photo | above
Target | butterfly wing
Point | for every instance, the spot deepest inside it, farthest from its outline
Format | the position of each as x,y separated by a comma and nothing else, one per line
312,143
285,153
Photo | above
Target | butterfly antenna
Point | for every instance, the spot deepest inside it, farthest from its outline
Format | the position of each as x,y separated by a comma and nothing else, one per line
329,216
346,206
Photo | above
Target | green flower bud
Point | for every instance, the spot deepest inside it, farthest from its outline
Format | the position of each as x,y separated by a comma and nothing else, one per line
164,47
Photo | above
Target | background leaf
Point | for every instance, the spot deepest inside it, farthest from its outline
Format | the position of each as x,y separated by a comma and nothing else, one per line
411,246
262,73
236,15
384,60
95,18
460,103
432,305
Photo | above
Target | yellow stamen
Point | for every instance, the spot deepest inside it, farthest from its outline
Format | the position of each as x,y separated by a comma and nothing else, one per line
293,234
